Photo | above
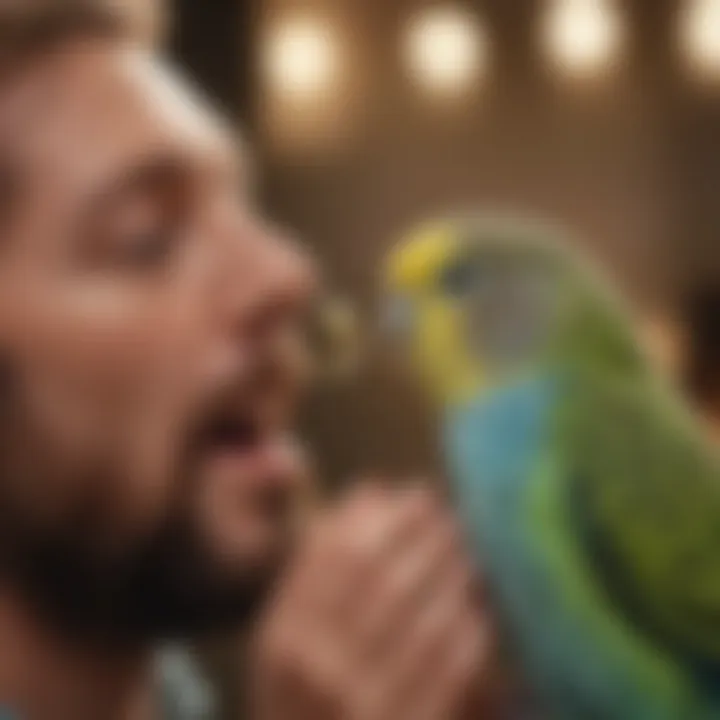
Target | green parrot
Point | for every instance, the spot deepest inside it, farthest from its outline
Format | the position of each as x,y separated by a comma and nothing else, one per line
589,491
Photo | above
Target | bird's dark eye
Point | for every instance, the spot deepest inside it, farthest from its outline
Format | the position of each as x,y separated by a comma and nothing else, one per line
461,278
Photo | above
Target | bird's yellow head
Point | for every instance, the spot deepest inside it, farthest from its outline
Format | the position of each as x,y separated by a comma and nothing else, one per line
425,321
476,303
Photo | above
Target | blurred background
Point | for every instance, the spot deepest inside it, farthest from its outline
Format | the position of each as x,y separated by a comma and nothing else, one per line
365,115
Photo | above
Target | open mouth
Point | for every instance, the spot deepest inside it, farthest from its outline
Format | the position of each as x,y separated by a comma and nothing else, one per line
237,443
232,431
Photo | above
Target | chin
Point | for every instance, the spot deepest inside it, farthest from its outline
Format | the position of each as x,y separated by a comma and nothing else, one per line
246,547
248,509
214,578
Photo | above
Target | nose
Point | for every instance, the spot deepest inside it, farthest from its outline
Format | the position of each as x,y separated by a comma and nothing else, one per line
271,281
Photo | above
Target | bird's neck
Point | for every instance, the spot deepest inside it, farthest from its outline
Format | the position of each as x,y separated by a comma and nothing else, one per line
496,437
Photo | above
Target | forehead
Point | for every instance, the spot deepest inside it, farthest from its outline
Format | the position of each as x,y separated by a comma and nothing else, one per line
94,107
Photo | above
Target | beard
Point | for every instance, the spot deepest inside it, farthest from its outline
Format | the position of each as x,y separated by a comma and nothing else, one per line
164,587
166,584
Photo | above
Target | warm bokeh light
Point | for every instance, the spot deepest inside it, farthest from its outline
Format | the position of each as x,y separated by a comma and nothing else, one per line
700,36
583,37
446,49
301,59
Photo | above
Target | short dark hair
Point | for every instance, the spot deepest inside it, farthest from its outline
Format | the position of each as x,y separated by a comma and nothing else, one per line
29,28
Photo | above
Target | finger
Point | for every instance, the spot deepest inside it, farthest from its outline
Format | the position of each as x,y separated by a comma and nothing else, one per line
364,545
395,668
407,586
315,557
431,634
330,568
350,584
298,613
367,539
456,667
302,655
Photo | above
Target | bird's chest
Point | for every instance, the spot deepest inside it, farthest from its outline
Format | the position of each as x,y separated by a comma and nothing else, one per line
498,451
494,449
494,446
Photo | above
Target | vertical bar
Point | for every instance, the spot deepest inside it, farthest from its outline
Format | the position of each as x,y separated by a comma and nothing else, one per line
213,40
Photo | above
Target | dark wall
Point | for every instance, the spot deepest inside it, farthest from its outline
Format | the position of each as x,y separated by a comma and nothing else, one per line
214,40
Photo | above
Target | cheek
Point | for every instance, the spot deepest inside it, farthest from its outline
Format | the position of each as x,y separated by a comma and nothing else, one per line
108,380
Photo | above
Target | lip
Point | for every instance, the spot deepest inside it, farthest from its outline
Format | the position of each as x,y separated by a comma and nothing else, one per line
236,441
247,455
245,449
248,496
260,478
242,429
230,425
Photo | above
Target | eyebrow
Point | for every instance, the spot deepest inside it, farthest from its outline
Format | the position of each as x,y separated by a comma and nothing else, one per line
164,169
147,171
160,171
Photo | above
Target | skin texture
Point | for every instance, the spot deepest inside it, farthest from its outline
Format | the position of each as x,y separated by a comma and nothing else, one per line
377,619
137,294
143,299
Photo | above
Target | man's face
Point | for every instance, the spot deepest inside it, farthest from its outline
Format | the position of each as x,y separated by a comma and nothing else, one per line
149,327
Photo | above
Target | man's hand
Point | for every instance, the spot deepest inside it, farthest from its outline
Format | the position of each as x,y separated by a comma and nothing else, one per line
378,618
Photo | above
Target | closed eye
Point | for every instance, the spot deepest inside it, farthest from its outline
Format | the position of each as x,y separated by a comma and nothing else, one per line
137,223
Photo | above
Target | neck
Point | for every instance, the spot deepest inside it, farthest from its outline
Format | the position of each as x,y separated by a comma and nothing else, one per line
44,674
